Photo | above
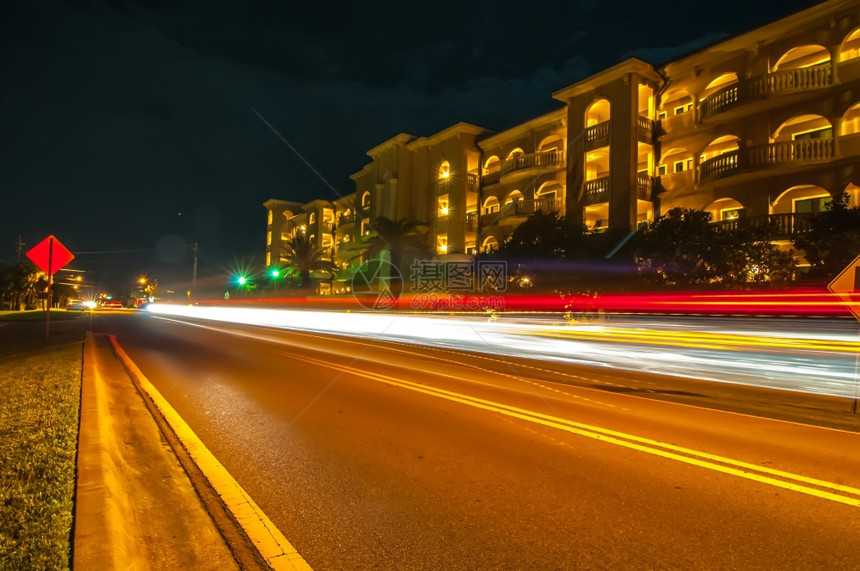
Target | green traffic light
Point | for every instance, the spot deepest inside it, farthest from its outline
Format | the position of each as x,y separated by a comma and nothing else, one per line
242,280
275,273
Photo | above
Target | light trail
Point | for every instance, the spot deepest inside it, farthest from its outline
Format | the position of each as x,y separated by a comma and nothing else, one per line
823,363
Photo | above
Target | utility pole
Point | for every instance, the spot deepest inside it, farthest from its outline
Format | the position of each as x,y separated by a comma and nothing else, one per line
194,250
19,246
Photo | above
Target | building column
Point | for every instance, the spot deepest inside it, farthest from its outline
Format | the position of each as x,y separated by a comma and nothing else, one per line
834,64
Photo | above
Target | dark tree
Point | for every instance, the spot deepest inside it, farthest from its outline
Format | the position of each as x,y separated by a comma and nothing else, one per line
833,239
684,248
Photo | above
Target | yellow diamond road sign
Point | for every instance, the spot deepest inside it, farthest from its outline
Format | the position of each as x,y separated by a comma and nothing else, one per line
847,283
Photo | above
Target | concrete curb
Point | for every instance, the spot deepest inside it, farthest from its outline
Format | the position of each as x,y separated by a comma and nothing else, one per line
272,546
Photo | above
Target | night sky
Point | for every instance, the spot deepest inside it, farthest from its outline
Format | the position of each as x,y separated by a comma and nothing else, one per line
128,129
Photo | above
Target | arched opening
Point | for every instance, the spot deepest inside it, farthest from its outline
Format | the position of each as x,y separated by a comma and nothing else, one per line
853,192
551,143
550,189
851,120
491,205
719,146
675,160
490,244
802,198
720,82
850,47
675,103
804,127
514,196
492,165
365,198
803,56
597,112
518,152
726,210
444,170
312,218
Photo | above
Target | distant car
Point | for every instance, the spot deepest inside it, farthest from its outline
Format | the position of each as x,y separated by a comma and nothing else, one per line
113,304
75,305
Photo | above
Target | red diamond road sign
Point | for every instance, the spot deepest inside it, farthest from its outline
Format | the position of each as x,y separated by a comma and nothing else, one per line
846,284
49,255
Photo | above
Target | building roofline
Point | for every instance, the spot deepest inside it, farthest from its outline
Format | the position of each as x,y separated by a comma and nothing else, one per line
516,131
454,130
760,34
617,71
399,139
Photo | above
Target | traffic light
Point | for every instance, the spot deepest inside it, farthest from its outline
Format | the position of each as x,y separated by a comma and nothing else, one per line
242,280
275,273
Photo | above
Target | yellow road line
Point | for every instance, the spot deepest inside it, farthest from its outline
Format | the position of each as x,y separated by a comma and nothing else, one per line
269,541
665,450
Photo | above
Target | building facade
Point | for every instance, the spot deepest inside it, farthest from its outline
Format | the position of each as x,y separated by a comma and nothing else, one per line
761,127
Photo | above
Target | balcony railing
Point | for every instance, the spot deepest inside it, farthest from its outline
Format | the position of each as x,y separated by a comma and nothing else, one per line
799,79
719,100
490,177
644,129
541,159
597,136
345,219
597,190
471,180
471,221
799,151
803,150
782,225
775,82
528,207
644,186
719,166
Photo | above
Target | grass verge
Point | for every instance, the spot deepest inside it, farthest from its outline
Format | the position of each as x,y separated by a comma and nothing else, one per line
38,439
39,315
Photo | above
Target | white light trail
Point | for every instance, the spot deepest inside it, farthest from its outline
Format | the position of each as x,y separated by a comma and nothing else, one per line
782,366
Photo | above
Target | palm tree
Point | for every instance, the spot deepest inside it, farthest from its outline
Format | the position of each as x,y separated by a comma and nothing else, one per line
403,240
302,256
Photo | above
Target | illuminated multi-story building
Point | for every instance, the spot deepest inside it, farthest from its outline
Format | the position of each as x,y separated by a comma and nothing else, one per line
761,127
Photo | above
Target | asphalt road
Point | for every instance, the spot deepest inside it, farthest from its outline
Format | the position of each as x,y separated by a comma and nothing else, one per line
377,454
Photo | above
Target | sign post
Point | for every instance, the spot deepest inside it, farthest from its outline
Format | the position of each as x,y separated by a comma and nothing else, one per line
844,285
49,255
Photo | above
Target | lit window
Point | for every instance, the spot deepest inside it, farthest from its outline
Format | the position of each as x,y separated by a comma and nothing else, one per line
661,115
444,170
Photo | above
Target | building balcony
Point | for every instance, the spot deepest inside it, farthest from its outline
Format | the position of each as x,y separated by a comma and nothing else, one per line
776,82
526,163
597,136
345,219
529,207
644,130
644,187
800,151
471,221
782,225
596,191
489,178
